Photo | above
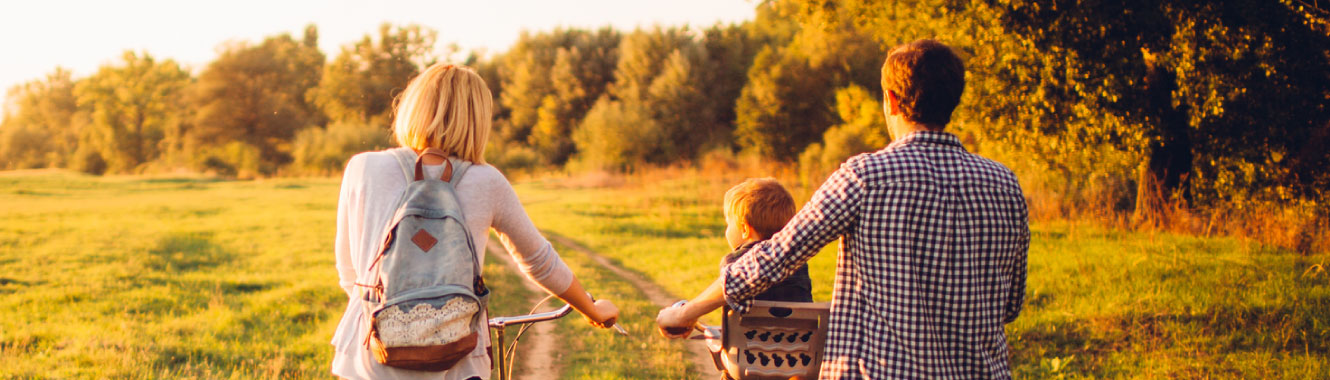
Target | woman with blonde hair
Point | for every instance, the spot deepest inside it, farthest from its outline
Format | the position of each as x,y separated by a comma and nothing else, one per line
447,108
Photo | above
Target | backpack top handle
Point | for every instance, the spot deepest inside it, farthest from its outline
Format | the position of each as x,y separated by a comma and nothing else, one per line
448,165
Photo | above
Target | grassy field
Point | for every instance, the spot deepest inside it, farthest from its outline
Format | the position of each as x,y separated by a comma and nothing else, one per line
122,277
173,278
128,277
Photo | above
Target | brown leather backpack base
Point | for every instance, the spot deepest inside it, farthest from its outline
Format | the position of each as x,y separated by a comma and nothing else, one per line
423,358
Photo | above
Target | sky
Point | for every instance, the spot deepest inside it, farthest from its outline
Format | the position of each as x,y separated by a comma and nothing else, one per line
38,35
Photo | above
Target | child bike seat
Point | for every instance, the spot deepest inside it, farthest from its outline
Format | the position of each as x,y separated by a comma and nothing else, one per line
774,340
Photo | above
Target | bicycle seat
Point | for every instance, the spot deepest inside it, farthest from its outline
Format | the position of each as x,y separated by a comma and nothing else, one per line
774,340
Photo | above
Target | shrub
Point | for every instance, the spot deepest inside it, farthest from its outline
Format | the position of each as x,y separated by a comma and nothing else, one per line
89,161
509,157
326,150
235,159
618,136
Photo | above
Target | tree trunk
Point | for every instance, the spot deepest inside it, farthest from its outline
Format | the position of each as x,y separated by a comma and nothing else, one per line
1168,164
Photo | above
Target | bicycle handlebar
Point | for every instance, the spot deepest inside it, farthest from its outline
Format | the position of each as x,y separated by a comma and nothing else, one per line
697,326
500,322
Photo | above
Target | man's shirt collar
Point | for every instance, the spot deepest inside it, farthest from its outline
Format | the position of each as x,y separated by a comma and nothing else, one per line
928,137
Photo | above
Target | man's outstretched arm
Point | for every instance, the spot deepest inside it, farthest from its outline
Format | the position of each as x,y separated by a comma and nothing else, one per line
830,213
826,216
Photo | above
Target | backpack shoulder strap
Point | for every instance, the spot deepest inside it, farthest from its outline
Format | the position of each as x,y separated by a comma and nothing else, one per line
406,158
460,167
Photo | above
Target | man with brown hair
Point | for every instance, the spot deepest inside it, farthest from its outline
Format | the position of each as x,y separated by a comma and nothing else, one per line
932,259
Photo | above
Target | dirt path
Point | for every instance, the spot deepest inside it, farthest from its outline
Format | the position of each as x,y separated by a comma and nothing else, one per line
537,355
697,349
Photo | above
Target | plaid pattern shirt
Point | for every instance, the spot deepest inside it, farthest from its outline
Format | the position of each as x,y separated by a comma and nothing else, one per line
932,261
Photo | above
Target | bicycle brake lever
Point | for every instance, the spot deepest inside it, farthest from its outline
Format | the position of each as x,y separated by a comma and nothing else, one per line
705,332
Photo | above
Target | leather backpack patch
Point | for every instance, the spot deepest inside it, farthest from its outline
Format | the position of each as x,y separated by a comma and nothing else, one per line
424,240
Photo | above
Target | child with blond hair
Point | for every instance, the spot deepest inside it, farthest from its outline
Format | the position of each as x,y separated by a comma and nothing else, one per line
754,211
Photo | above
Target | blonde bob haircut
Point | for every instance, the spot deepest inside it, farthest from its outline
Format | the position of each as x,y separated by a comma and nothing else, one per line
446,107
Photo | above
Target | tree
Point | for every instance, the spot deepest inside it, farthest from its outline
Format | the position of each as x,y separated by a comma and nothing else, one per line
550,80
1221,91
1214,98
1017,106
525,88
678,103
788,100
862,129
657,81
642,56
326,150
360,84
617,135
132,106
729,52
783,107
41,125
256,95
559,111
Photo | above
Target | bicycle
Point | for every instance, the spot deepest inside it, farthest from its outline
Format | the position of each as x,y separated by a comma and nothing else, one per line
502,357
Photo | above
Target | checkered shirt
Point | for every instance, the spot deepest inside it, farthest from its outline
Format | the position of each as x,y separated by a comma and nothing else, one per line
932,261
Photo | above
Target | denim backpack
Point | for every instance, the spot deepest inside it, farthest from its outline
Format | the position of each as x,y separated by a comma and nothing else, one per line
426,294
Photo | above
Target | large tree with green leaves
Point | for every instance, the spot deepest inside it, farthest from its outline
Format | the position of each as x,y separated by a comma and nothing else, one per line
40,126
658,81
788,100
549,82
730,50
133,105
783,107
255,94
360,84
1217,101
1231,96
861,129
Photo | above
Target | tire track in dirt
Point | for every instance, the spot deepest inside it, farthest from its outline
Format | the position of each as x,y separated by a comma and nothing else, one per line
537,355
697,349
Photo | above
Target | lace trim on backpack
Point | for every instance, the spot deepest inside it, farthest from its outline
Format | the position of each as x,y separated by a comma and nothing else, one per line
424,325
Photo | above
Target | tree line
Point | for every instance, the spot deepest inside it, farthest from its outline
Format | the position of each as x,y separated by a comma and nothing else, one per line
1199,102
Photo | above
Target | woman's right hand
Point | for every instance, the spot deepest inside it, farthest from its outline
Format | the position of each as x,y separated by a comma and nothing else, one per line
599,313
606,314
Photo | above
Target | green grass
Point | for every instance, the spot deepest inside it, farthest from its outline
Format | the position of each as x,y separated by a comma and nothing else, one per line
130,277
124,277
593,353
1101,303
1113,304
